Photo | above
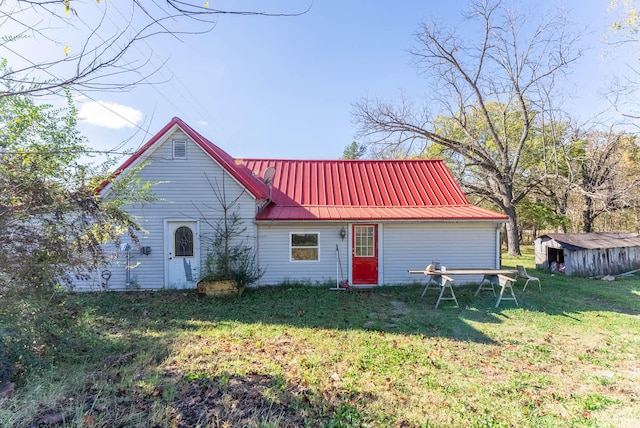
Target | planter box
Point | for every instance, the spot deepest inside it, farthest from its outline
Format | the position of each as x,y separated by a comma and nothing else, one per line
219,288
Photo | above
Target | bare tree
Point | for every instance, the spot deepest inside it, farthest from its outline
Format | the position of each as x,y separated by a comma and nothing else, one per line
108,49
622,40
491,88
608,174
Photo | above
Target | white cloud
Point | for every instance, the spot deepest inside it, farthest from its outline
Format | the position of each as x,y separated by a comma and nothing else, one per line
109,115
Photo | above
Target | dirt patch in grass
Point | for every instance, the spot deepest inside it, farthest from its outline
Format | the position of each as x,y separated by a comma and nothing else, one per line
251,400
183,400
401,308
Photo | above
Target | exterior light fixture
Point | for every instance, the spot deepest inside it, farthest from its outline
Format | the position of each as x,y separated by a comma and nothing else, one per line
343,233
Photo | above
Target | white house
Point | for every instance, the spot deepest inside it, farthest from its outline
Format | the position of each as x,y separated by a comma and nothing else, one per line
313,221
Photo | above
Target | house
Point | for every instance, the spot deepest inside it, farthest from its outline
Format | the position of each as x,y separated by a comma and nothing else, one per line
588,254
313,221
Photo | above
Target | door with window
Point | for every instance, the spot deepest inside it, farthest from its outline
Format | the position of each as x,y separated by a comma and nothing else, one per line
182,254
365,254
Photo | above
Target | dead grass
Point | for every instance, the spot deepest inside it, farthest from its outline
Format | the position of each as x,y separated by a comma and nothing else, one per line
300,356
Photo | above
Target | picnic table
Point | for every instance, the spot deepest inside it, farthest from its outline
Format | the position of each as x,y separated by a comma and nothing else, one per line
502,277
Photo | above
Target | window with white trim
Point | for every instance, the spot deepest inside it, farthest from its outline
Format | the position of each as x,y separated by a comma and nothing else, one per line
179,149
304,246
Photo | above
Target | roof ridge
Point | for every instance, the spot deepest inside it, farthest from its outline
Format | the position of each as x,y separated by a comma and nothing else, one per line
295,204
251,159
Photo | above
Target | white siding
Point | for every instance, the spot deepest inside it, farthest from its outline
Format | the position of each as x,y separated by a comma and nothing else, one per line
274,255
184,193
409,246
404,246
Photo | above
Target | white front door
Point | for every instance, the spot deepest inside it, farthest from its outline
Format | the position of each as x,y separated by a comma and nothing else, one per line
182,249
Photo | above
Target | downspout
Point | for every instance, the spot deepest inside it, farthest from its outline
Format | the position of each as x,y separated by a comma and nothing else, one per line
498,252
257,253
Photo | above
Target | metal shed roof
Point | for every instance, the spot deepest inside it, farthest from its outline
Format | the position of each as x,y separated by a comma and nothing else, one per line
595,240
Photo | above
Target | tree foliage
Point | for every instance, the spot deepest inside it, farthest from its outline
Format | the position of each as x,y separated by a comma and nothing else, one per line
52,223
586,174
354,150
628,18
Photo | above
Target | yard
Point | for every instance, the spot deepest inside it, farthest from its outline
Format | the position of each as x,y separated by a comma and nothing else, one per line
295,356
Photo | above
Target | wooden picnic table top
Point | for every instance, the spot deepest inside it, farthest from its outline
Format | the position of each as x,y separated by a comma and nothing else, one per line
473,271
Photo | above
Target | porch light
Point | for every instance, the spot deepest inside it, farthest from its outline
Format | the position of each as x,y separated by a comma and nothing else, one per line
343,233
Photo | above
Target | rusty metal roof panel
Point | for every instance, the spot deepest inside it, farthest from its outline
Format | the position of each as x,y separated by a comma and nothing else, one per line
596,240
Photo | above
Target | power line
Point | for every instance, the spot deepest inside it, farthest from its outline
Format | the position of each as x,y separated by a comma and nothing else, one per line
173,80
173,76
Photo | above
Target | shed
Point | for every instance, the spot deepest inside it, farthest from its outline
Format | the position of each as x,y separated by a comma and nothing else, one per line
588,254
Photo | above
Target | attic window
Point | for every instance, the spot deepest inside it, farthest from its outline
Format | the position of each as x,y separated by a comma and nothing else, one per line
179,149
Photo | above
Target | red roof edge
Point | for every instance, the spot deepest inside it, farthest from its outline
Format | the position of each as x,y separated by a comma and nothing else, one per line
239,172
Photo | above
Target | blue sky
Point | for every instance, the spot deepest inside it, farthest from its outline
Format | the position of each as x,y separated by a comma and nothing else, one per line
283,87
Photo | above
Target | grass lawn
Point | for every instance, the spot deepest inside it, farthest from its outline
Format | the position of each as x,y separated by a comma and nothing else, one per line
302,356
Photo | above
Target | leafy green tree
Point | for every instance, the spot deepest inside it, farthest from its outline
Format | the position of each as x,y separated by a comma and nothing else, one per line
354,150
52,223
590,173
538,215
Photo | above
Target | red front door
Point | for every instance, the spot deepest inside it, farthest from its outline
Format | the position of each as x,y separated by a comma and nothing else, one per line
365,254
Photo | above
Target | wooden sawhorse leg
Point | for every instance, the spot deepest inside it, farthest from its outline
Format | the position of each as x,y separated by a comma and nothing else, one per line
491,279
506,282
447,283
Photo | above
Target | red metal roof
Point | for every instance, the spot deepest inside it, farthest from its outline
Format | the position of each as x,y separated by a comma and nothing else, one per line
365,190
244,176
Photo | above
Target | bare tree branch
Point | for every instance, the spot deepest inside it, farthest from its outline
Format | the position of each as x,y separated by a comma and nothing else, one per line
488,94
109,54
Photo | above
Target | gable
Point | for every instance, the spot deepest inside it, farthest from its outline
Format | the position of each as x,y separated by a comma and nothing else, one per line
240,173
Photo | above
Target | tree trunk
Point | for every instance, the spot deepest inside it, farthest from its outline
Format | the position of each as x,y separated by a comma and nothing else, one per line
587,215
513,243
